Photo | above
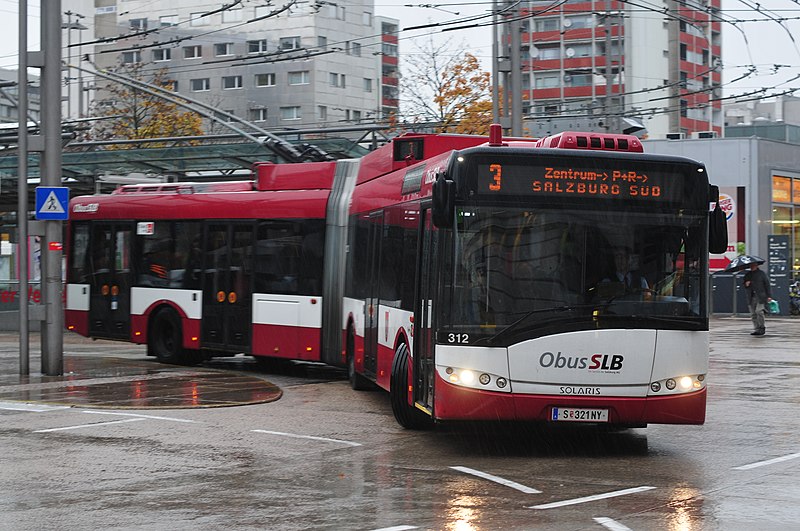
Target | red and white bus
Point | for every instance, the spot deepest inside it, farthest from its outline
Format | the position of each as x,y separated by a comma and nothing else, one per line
472,278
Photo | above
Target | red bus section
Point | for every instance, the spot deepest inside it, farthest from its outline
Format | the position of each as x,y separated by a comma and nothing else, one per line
557,280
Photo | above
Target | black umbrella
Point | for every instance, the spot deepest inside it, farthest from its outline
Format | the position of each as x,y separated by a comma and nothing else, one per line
743,262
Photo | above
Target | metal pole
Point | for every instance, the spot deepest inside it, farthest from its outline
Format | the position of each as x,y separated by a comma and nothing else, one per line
69,62
609,72
22,189
53,325
495,66
516,75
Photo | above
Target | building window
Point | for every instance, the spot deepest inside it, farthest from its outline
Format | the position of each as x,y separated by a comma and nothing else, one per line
168,20
545,81
129,58
356,116
223,48
322,111
162,54
231,82
322,42
265,80
546,24
298,78
138,24
289,43
192,52
258,115
198,19
263,12
336,11
544,53
367,84
334,79
200,85
290,113
366,18
389,50
232,15
258,46
355,49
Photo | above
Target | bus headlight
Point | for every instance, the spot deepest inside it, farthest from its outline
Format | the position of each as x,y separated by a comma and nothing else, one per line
474,379
678,384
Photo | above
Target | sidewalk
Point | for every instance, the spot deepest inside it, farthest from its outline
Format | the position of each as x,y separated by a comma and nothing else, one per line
108,374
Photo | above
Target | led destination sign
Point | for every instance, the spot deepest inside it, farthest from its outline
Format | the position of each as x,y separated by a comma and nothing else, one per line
565,180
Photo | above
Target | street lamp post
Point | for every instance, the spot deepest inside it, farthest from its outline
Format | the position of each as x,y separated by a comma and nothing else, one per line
70,25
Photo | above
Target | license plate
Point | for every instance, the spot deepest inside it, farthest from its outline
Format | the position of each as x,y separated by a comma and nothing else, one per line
573,414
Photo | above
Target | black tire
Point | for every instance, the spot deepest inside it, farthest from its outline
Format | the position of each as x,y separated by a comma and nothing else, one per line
407,416
165,338
357,381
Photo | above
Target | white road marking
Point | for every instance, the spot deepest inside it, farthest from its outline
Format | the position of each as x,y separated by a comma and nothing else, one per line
25,406
88,425
497,479
397,528
591,498
611,524
767,462
295,436
139,416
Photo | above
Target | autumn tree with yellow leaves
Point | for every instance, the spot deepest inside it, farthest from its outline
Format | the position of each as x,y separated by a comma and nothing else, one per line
129,114
447,90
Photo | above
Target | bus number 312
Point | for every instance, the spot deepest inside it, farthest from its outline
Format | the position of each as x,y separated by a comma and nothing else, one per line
458,338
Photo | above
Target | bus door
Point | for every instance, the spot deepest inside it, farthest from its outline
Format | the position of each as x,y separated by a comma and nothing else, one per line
227,286
424,325
372,302
111,276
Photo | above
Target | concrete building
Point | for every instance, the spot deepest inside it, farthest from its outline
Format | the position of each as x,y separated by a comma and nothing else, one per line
599,61
9,93
288,66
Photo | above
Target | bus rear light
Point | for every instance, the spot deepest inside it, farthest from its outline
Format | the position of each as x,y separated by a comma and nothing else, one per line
194,338
501,383
686,383
137,333
309,349
71,327
484,379
276,349
313,301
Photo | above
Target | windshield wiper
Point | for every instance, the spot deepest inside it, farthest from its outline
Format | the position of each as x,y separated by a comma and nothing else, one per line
533,312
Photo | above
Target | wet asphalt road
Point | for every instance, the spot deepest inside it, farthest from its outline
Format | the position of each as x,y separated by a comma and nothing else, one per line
325,457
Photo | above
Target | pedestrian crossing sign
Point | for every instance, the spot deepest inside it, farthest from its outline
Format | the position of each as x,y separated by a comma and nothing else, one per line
52,202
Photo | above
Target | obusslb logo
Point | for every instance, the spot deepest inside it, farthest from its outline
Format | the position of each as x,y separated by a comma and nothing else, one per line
595,362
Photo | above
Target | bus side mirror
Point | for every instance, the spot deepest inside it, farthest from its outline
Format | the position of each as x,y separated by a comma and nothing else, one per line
444,195
717,226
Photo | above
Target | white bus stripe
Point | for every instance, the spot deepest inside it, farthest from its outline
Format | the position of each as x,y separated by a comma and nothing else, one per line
138,415
768,462
25,406
88,425
611,524
311,437
591,498
497,479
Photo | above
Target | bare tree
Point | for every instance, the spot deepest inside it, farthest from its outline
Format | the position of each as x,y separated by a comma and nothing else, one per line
446,89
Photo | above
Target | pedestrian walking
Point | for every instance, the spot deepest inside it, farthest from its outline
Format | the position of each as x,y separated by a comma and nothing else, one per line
758,295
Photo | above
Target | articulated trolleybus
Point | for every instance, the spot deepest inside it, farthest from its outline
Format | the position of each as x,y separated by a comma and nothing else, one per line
563,279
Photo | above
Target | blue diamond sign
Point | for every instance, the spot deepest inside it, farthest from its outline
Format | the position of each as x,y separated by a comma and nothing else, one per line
52,202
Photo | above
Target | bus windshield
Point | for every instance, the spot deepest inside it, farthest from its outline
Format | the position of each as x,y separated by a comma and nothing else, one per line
533,271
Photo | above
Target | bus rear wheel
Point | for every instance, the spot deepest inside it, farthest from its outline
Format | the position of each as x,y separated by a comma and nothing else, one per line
165,338
407,416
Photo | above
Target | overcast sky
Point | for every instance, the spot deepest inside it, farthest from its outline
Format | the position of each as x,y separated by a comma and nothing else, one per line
757,43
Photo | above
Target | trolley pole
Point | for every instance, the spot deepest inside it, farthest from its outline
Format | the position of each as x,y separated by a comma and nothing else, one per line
53,324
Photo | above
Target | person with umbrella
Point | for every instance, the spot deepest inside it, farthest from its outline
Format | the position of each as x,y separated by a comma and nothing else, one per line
757,285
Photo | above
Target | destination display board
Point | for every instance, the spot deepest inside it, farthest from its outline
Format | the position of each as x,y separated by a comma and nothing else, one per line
632,181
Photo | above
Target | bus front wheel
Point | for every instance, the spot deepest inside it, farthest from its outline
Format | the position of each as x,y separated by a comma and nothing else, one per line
165,338
407,415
